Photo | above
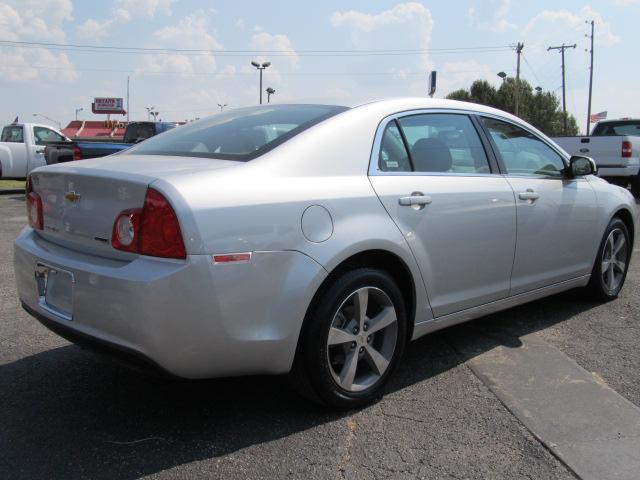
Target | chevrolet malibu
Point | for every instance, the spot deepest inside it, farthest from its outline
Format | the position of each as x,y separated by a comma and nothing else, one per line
315,240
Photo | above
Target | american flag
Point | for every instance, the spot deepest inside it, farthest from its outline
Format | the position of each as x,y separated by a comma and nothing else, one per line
596,117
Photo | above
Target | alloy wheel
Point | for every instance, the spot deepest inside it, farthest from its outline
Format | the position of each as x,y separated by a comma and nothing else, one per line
614,260
362,339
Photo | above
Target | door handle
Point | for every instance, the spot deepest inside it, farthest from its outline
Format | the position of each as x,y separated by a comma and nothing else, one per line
416,199
529,195
39,150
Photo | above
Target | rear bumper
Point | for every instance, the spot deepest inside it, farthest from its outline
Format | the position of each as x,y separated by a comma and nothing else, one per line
618,171
190,318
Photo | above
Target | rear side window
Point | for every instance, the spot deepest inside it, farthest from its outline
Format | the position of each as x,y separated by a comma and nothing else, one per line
13,134
393,155
440,142
240,134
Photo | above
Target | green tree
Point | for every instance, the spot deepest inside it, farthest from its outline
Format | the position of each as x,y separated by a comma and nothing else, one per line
541,109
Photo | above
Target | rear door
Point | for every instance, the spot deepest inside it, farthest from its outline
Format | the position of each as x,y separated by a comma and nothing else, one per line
433,175
556,227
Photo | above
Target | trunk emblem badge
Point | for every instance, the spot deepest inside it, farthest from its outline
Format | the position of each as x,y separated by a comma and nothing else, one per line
72,196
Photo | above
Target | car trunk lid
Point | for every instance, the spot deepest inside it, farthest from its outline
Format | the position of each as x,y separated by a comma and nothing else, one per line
82,200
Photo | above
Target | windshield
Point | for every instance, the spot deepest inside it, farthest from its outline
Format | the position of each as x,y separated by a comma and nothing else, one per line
241,134
623,127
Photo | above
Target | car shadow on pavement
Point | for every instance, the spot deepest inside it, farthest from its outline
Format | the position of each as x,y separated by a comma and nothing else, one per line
65,413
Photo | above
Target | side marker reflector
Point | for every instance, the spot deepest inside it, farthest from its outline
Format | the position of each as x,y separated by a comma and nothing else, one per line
232,258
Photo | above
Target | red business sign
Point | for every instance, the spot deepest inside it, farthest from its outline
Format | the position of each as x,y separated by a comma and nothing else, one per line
107,105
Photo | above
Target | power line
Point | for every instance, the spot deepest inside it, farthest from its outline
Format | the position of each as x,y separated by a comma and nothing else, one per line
532,70
224,74
246,53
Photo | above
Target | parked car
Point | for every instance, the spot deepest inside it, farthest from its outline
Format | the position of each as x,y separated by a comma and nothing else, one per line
615,146
315,240
22,148
135,132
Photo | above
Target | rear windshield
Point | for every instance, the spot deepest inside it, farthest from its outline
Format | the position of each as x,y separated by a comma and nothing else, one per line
12,134
241,134
623,127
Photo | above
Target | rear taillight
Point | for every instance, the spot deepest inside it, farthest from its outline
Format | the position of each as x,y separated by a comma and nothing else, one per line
626,149
126,231
153,231
34,206
77,153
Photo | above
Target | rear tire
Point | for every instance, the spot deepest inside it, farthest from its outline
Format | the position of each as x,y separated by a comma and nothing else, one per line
612,262
353,338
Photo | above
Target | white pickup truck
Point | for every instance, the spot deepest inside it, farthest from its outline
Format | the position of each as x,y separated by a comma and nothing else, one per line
615,146
22,148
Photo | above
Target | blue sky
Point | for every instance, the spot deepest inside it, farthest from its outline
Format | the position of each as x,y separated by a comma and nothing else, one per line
54,81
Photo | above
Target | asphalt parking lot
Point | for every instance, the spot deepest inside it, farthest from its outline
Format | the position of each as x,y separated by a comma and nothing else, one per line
65,413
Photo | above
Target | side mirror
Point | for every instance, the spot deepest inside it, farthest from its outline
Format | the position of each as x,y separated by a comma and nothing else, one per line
581,166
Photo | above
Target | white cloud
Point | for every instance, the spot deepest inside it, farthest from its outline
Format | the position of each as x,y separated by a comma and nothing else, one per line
130,9
490,15
25,64
554,24
274,43
190,33
35,20
409,24
123,11
403,13
623,3
94,29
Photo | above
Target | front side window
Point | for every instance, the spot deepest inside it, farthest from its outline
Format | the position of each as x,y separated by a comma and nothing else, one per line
523,153
13,134
43,135
440,142
240,134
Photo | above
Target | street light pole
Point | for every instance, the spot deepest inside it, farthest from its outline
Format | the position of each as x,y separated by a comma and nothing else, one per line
48,118
502,75
149,112
78,110
261,67
270,91
222,105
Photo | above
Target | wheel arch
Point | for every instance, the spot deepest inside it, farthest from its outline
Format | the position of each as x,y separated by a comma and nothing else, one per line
384,260
627,217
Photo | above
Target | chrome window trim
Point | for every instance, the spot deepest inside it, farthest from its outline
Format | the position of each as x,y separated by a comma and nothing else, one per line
563,155
377,142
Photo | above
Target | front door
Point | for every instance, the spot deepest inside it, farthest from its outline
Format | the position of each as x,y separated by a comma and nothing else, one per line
459,219
556,227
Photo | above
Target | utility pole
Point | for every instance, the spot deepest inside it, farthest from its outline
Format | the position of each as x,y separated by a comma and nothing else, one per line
128,107
562,48
519,48
586,132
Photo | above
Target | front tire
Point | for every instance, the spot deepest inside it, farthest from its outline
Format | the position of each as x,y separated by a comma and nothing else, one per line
612,262
354,337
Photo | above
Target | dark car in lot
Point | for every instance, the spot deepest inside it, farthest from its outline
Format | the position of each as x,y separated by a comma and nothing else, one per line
136,132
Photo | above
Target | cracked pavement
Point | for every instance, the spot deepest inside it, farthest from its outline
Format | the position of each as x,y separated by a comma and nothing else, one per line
65,413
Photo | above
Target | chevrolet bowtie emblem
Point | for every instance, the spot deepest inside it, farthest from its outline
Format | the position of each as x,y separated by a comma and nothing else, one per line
72,196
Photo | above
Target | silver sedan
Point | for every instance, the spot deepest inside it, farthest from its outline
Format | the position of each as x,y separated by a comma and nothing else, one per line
315,240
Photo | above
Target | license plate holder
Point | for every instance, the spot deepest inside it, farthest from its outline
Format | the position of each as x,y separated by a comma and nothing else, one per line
55,290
